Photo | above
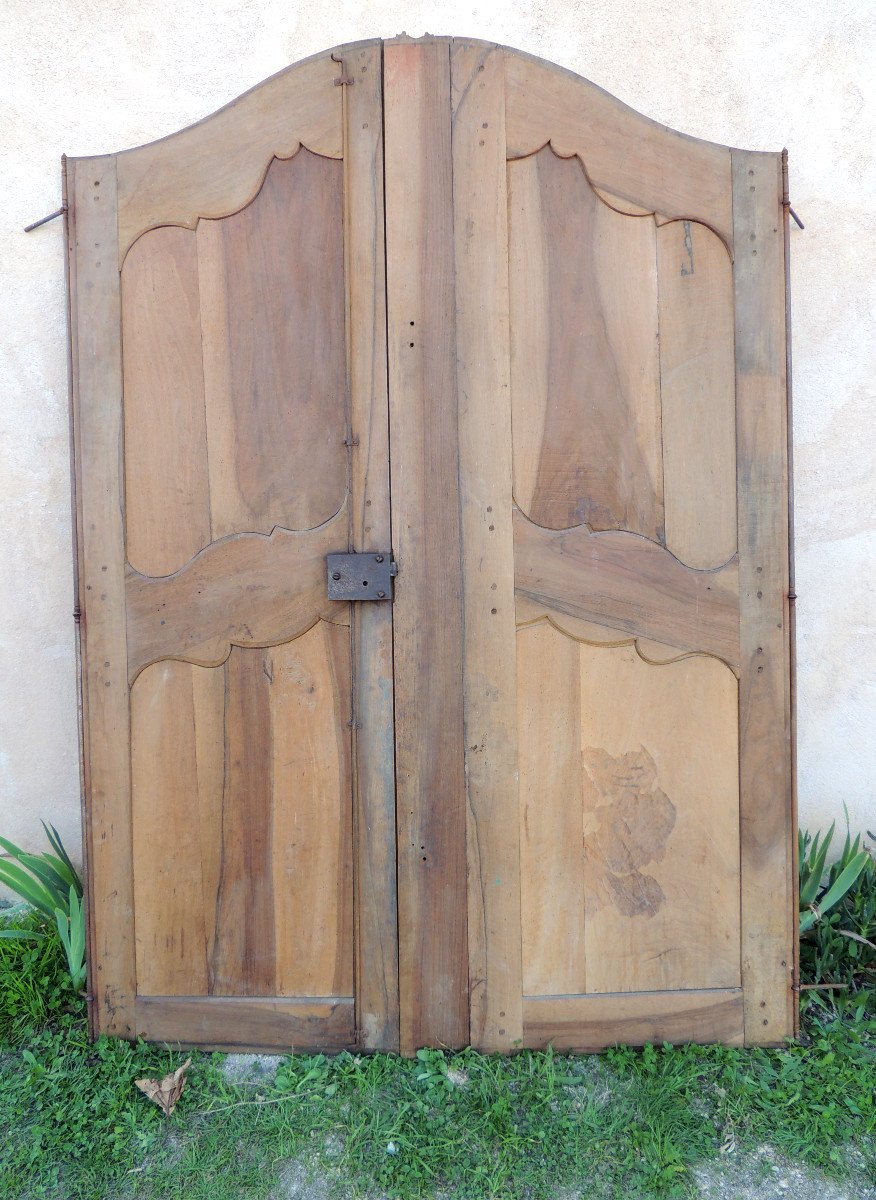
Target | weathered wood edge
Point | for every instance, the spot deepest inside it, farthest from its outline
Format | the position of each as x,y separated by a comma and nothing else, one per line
95,299
586,1024
76,528
480,44
345,49
623,579
427,614
349,48
768,886
375,901
480,205
792,576
303,1024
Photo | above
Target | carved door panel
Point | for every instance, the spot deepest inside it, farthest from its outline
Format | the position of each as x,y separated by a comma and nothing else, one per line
620,324
438,298
228,300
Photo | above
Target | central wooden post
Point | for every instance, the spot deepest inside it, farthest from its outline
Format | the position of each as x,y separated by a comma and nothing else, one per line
427,615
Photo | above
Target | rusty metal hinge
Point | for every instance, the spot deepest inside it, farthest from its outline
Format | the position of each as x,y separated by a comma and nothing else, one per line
365,576
344,79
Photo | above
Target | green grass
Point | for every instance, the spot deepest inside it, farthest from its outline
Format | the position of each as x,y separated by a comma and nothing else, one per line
625,1123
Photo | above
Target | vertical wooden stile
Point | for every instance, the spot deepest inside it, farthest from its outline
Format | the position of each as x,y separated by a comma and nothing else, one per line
374,750
768,885
427,614
490,683
97,427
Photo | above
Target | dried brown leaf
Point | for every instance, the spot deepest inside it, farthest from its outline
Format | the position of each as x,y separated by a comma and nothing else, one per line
167,1091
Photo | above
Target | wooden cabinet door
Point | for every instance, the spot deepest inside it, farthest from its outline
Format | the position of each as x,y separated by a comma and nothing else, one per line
228,330
621,353
437,297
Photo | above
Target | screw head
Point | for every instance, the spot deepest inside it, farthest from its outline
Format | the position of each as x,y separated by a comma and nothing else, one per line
381,595
378,558
336,574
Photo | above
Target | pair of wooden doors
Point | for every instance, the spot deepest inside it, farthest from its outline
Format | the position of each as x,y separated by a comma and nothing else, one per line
436,300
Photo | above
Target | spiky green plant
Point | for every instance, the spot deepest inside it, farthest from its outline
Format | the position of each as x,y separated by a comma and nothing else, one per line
51,884
818,897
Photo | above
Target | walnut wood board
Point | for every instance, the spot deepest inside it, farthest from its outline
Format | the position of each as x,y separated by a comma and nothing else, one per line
242,290
427,614
436,297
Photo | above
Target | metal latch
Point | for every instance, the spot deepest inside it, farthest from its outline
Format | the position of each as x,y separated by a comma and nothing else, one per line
365,576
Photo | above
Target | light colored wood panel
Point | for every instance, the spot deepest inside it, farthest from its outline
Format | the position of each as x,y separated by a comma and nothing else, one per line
550,820
698,390
173,787
661,822
585,378
373,733
95,303
216,166
243,955
630,583
769,902
311,835
480,221
590,1023
167,498
427,615
275,351
232,1023
208,712
625,153
246,590
530,613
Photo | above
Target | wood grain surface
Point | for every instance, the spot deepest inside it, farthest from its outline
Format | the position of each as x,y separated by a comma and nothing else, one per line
235,423
242,822
436,298
627,826
373,730
586,1024
427,614
217,165
231,1023
697,391
483,356
249,590
630,156
769,901
585,375
95,319
629,583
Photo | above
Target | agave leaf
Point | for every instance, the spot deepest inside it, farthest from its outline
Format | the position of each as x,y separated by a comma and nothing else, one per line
54,883
67,874
843,881
812,882
26,886
58,846
22,935
22,856
807,920
813,850
71,930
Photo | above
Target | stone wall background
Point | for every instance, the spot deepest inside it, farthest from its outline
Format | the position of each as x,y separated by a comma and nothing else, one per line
96,76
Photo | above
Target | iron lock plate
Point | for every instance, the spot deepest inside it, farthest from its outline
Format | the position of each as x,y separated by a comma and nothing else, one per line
366,576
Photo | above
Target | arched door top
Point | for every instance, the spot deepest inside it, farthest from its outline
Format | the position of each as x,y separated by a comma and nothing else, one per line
217,165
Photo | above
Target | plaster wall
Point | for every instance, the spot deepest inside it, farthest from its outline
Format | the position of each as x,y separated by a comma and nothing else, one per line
96,76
